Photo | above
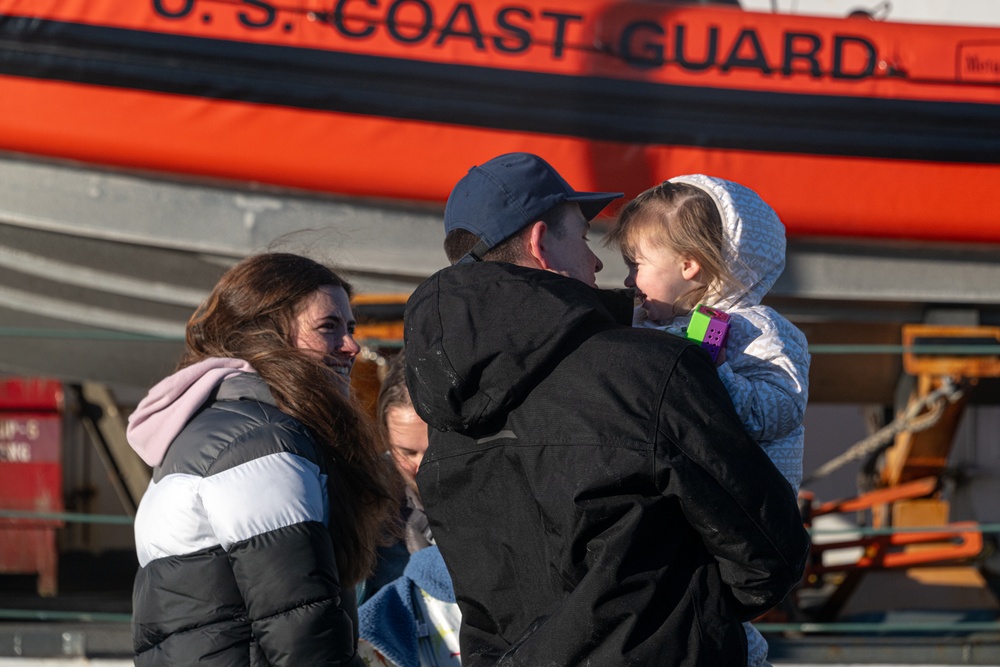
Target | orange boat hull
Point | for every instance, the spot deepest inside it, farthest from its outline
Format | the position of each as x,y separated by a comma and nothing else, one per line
848,128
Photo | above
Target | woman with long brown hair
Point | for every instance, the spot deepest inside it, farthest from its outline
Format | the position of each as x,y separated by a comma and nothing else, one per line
270,492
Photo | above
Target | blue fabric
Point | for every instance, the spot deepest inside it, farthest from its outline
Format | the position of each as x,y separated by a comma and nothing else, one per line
427,570
388,619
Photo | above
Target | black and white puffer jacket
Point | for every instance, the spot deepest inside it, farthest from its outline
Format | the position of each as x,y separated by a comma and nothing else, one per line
236,561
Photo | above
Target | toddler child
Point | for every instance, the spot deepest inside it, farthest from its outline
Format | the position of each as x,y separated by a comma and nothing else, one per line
703,240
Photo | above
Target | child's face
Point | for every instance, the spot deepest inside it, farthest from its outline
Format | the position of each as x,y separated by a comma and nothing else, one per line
661,277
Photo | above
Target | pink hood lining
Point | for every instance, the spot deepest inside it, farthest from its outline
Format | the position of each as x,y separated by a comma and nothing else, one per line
171,403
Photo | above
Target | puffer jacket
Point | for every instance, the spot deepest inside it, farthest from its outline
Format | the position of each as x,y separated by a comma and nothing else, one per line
588,483
766,368
236,562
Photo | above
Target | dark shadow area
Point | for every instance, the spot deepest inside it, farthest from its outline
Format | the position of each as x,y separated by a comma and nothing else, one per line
100,583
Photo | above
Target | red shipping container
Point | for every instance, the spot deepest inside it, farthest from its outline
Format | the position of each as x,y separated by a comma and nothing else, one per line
31,478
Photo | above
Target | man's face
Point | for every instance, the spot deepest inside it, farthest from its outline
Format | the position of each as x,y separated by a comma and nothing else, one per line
569,252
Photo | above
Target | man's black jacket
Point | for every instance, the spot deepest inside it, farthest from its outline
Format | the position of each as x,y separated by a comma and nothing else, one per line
590,486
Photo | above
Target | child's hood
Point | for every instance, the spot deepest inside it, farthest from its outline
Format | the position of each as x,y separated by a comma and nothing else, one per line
754,238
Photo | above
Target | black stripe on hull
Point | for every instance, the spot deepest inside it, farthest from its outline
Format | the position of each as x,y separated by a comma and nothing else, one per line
579,106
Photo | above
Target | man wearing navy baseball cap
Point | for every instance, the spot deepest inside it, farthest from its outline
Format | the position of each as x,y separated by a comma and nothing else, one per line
590,486
510,208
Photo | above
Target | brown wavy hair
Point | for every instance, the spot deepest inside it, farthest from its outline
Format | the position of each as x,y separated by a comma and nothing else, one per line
250,315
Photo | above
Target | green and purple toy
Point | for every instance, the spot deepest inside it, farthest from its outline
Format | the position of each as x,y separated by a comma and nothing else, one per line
709,327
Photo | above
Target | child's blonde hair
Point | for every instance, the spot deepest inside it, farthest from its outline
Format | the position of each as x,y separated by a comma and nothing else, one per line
685,220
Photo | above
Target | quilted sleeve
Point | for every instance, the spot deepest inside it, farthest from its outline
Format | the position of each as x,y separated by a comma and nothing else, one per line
766,373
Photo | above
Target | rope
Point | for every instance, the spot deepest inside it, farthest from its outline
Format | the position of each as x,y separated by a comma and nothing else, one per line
116,519
911,420
68,517
864,531
929,628
924,628
43,615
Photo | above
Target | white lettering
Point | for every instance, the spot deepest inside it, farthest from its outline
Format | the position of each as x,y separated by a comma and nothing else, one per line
15,452
11,428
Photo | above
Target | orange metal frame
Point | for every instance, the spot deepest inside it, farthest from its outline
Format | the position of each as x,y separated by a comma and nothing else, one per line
958,542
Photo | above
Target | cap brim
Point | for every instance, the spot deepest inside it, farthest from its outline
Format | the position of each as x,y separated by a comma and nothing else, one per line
592,203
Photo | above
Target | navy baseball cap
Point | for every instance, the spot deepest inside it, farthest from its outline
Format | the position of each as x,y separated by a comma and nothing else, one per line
499,198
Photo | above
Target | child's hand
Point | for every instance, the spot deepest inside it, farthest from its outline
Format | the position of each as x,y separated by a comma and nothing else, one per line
638,316
721,359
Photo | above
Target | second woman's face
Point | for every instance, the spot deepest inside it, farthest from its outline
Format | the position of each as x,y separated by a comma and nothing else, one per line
407,438
325,325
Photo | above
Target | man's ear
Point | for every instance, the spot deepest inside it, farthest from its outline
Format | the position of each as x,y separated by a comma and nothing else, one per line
538,245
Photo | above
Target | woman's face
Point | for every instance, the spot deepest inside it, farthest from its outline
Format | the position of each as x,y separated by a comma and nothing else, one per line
407,437
325,325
